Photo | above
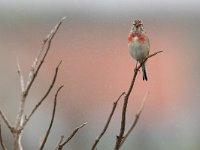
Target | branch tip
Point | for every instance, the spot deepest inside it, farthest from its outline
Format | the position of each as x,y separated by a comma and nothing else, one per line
63,18
59,64
61,144
108,122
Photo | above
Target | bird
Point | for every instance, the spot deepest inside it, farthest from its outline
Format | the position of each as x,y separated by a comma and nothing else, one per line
138,44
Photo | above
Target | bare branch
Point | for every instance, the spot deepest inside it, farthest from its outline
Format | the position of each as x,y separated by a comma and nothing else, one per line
137,116
39,61
123,120
148,58
6,121
44,97
20,75
52,33
52,119
36,67
1,140
61,144
108,122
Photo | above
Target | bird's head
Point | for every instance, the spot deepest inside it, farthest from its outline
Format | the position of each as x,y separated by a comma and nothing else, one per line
137,26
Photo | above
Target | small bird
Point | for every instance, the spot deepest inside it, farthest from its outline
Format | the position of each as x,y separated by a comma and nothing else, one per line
138,44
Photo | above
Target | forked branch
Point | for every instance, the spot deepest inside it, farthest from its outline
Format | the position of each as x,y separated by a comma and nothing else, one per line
62,143
137,116
52,119
44,97
108,122
120,137
25,88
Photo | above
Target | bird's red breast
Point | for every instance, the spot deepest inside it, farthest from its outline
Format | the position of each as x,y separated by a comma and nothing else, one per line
141,37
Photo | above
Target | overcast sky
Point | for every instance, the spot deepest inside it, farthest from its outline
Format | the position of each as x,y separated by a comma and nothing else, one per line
107,5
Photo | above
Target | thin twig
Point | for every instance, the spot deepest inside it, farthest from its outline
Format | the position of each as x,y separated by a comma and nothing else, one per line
1,139
6,121
123,120
60,146
35,68
108,122
147,59
20,75
52,119
44,97
137,116
60,142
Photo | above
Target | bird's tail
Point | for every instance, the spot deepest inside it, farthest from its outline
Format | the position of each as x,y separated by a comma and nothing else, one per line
144,72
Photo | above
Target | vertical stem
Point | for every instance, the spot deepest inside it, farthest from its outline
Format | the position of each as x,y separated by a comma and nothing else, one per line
17,132
17,141
120,137
21,110
123,121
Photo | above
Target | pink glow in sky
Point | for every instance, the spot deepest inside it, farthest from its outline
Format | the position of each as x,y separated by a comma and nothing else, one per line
97,68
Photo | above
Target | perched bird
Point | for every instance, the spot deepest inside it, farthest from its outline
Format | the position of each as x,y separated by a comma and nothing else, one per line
138,44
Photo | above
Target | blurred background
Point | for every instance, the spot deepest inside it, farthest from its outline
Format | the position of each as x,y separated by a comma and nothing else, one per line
97,68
